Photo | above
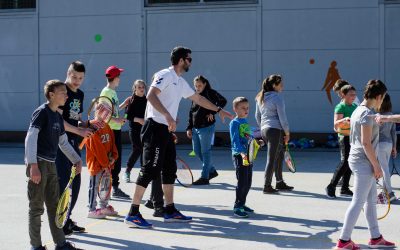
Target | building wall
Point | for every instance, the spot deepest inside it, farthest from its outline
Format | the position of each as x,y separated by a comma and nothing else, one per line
234,45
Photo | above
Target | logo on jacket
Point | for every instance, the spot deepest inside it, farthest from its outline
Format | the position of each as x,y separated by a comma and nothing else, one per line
158,81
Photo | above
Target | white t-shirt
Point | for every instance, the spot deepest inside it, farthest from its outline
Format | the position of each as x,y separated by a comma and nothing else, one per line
173,88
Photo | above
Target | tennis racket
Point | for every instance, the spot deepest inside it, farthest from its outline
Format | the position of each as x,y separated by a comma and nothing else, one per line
104,188
252,149
64,203
382,201
184,175
100,112
290,164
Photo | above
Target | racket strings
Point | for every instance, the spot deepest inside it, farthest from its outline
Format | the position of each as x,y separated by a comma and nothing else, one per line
183,174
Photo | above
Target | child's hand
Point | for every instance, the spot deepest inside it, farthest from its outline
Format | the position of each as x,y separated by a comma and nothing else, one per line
111,160
138,120
394,152
34,173
245,160
261,142
78,166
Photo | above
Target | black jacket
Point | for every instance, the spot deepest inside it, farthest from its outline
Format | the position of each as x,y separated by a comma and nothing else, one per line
198,115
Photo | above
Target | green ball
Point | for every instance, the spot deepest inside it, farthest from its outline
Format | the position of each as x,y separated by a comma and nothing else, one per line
98,38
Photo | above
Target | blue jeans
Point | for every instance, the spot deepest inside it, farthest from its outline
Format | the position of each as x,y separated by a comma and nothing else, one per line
201,139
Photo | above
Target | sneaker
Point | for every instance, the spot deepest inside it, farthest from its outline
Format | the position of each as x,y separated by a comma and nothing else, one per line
270,190
74,227
330,192
283,186
149,204
247,209
239,212
176,217
96,214
213,175
137,221
392,197
380,243
348,245
67,246
109,211
201,181
39,248
346,192
158,212
67,230
127,177
118,193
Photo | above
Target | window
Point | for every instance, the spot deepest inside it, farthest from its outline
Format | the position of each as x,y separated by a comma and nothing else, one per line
17,4
176,2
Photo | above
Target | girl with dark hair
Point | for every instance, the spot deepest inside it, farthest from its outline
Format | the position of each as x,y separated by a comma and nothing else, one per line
363,161
272,120
201,127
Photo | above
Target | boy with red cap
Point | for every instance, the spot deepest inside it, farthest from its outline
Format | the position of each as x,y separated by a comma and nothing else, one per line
113,78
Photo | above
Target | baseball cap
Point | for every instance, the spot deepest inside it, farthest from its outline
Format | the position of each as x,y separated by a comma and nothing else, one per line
113,71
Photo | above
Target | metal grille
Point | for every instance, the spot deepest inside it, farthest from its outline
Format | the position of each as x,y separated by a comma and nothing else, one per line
17,4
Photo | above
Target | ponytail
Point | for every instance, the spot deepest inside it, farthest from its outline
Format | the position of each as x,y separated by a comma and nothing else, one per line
267,86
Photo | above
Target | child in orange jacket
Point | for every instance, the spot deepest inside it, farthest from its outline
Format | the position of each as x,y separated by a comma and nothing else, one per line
101,154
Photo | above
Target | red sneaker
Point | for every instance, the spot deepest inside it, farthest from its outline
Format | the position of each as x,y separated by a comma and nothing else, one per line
348,245
380,243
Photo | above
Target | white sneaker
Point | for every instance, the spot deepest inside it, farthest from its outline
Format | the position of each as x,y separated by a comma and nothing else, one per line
109,211
96,214
392,196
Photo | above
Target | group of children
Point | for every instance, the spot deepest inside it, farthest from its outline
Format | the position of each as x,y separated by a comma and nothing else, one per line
342,118
103,149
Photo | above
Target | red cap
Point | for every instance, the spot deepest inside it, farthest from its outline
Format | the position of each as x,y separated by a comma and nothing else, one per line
113,71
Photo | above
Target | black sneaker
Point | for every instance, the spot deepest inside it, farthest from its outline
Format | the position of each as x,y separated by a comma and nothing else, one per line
149,204
67,246
346,192
330,192
213,175
270,190
39,248
158,212
77,229
283,186
118,193
201,181
67,230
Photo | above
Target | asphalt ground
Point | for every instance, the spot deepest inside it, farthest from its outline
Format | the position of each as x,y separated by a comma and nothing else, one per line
301,219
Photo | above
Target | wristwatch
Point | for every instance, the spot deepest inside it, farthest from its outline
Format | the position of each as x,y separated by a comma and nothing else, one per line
219,109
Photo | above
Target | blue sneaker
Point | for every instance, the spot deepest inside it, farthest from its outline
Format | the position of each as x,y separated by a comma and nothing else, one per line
247,209
137,221
239,212
176,217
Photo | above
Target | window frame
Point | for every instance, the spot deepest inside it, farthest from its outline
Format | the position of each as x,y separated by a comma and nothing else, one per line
201,3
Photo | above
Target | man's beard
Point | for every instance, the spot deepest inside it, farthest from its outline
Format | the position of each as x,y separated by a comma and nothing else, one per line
186,68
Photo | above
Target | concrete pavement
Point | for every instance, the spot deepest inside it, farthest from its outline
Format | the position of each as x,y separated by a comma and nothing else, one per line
302,219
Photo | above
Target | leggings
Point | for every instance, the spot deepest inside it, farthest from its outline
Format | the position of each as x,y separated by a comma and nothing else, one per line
364,196
274,140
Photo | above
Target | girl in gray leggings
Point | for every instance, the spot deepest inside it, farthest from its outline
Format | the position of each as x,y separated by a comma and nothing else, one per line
364,139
